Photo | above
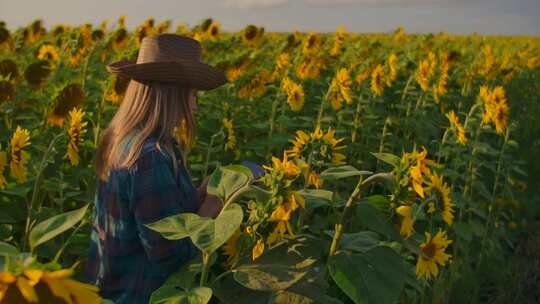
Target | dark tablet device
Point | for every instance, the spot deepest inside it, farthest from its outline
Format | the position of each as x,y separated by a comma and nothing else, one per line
256,170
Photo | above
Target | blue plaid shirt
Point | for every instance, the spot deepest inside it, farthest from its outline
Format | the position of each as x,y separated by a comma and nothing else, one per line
127,260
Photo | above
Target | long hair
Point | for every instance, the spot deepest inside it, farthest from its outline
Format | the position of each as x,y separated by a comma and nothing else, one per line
146,108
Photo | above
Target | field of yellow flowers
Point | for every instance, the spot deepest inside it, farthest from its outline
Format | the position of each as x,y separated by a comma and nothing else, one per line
399,168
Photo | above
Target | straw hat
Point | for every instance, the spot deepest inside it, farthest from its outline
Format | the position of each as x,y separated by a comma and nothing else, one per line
170,58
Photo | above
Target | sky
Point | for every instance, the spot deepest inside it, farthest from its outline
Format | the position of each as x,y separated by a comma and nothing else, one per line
488,17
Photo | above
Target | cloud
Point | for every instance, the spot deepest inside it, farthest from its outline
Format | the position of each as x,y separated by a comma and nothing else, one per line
254,3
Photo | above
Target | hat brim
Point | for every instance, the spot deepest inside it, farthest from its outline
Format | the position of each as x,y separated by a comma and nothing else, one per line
195,74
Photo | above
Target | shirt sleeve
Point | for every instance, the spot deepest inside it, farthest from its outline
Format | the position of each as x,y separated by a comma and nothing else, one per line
155,194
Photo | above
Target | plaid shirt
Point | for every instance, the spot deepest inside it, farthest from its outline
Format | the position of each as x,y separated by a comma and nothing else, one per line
127,260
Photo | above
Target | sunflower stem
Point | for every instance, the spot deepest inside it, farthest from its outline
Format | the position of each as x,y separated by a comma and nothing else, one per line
356,119
37,183
272,125
206,265
339,226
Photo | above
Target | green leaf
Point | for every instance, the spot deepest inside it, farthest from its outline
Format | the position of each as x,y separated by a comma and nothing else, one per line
315,198
374,220
376,276
8,249
171,295
225,181
54,226
358,241
259,194
272,276
280,267
20,191
6,219
387,179
342,172
206,233
388,158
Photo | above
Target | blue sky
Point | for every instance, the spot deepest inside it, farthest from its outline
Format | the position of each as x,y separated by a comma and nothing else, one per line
505,17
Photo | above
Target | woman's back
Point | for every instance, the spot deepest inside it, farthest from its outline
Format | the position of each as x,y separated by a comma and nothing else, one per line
127,260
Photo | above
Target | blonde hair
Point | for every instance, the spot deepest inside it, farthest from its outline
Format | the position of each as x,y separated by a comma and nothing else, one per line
146,107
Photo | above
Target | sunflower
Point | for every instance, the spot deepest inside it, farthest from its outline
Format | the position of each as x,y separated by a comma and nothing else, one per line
377,80
37,286
231,139
76,132
213,30
255,87
258,249
311,43
489,62
289,168
19,157
7,91
68,98
233,73
439,89
119,86
407,224
120,38
422,77
310,67
295,94
4,35
163,26
362,76
495,107
338,42
319,149
282,63
8,69
340,89
419,169
433,255
48,52
454,122
3,163
36,73
442,203
249,34
392,65
533,62
282,215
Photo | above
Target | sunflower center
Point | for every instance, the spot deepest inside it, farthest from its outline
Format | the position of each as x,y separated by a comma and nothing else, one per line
429,250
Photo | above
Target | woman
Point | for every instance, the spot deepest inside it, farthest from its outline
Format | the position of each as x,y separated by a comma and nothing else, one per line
141,169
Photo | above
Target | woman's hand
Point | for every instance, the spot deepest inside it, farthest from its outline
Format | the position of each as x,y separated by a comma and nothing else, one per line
211,206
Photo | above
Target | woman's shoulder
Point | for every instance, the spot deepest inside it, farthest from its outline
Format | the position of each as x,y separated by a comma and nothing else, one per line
152,154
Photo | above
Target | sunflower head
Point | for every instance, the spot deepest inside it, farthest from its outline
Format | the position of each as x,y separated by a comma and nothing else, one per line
68,98
97,34
119,87
42,285
36,73
4,35
9,69
48,52
432,255
7,91
442,202
120,38
214,29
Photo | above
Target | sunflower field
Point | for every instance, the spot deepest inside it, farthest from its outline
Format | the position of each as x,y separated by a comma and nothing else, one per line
399,168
